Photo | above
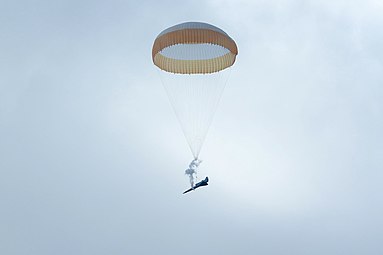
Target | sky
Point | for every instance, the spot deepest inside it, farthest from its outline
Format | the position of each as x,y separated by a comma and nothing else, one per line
92,157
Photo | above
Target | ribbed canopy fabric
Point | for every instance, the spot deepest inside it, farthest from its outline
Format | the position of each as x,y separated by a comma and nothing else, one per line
193,48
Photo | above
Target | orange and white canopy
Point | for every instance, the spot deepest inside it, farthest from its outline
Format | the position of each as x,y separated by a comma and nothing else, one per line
193,48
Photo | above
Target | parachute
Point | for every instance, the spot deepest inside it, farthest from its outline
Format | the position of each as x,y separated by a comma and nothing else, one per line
194,61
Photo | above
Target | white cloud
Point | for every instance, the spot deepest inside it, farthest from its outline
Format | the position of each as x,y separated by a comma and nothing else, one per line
92,158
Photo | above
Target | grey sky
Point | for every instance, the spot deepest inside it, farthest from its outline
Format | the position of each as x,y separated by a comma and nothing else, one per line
92,157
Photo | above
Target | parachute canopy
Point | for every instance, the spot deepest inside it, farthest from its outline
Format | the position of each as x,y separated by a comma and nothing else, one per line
194,59
193,48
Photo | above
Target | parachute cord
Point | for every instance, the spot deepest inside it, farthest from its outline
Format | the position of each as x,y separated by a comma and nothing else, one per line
194,100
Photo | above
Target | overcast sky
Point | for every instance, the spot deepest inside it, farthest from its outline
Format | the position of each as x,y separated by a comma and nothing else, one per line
92,158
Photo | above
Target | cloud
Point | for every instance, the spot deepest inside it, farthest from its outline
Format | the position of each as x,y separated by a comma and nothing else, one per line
293,155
